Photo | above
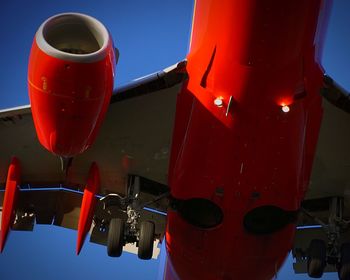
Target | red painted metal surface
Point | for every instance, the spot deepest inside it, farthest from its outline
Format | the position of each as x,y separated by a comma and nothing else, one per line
261,55
69,99
88,205
10,198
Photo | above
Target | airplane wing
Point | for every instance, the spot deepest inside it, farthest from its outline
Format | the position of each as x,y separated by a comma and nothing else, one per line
134,141
326,209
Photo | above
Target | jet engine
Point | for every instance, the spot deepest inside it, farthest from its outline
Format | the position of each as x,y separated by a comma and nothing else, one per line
70,81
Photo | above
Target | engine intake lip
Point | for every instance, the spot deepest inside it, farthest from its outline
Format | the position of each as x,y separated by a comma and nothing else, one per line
73,37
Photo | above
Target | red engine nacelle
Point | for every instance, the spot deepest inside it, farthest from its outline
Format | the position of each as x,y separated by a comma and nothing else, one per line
70,81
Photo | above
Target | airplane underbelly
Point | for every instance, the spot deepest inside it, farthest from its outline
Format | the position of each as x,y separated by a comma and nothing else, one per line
246,125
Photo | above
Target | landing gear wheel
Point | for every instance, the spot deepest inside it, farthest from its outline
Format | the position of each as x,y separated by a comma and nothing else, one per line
344,266
115,240
145,250
317,256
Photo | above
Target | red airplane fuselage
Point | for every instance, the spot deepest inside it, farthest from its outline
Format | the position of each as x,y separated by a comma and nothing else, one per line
246,129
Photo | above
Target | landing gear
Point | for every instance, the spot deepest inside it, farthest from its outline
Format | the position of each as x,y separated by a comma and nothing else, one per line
146,237
115,240
344,264
321,253
126,223
317,258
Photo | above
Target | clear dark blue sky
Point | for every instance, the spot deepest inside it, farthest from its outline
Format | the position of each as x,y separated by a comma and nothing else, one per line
150,35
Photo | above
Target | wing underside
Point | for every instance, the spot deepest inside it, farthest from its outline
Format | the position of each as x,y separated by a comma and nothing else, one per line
325,213
134,141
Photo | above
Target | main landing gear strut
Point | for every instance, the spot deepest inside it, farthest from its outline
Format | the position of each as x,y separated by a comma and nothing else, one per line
124,225
321,253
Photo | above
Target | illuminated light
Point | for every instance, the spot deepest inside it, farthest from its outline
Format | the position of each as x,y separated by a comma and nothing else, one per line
218,101
285,108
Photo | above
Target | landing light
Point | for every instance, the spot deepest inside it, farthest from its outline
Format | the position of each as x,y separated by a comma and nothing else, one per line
285,108
218,101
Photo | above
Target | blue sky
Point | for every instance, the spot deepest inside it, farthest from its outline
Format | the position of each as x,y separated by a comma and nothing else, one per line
150,35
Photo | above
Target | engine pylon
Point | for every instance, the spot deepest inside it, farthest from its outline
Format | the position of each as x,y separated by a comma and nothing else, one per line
88,205
10,199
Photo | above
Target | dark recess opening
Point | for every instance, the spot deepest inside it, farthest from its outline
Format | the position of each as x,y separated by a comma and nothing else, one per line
201,212
268,219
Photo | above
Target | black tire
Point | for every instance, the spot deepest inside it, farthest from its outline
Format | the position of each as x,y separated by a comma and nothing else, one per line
145,250
115,239
317,258
344,266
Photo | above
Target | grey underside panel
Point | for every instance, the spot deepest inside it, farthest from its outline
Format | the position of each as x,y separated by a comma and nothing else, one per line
331,168
134,139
